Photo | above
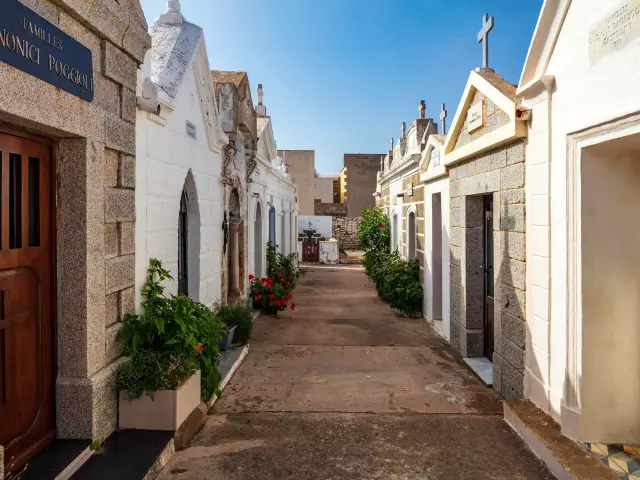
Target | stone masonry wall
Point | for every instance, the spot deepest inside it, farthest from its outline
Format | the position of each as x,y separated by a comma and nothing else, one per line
501,173
95,160
329,209
345,230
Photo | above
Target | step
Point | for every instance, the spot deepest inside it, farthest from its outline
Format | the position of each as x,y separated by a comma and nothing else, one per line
567,460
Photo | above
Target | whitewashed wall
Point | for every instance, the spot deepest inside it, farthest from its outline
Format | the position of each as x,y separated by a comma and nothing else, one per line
321,224
443,324
582,96
165,155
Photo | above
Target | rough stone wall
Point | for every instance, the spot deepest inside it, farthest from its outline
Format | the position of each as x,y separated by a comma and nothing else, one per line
329,209
494,118
361,172
95,200
345,230
501,173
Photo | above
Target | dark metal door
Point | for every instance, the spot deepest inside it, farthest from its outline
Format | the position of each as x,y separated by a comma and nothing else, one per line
310,251
183,247
27,342
488,277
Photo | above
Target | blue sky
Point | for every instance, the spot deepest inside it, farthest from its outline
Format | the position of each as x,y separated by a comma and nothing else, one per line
340,76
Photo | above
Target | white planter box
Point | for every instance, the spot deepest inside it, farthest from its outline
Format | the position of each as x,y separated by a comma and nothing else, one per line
166,411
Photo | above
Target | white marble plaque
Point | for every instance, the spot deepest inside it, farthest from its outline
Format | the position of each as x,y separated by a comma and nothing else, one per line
615,31
475,117
434,160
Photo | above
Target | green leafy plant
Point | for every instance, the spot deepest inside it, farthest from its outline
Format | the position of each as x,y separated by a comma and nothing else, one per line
374,231
283,266
397,281
239,315
174,337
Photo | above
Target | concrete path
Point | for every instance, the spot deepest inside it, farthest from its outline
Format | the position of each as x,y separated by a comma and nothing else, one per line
343,388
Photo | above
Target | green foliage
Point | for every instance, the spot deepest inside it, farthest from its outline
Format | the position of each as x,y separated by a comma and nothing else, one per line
374,231
283,266
240,316
397,281
174,337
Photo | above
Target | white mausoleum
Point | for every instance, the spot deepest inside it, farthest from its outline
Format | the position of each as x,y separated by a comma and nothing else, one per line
178,187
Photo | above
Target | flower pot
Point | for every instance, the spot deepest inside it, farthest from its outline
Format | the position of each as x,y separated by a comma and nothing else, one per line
227,340
167,410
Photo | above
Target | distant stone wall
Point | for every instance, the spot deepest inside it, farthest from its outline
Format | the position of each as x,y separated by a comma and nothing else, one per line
330,209
345,230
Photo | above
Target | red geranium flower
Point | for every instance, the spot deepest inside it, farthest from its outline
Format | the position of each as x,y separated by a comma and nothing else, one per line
263,280
382,225
256,291
291,295
259,297
271,296
251,277
288,284
278,304
198,347
293,306
282,280
284,299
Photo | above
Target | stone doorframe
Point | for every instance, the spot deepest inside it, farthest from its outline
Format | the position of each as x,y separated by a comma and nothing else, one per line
571,405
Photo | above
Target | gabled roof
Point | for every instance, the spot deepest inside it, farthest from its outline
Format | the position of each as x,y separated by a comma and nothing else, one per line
223,76
508,127
543,43
174,46
428,171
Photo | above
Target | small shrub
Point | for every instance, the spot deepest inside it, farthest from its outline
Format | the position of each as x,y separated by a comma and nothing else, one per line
174,337
240,316
374,231
283,266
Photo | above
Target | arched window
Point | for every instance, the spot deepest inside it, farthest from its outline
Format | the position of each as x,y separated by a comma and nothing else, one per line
258,243
283,239
189,241
272,226
411,234
395,234
183,246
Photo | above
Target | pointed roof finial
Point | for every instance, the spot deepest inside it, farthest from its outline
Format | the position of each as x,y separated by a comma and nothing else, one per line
173,6
404,129
422,108
261,110
260,94
173,15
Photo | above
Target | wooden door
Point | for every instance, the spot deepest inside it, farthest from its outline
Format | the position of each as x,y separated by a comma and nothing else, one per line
489,282
310,251
26,300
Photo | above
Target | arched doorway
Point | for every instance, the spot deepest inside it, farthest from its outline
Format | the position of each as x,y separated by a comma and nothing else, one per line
183,247
235,255
189,241
258,244
411,240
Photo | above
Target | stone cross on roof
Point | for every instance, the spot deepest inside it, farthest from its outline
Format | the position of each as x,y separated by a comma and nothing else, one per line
391,145
422,109
443,119
483,37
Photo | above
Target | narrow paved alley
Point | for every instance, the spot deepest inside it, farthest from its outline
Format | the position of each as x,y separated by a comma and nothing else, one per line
343,388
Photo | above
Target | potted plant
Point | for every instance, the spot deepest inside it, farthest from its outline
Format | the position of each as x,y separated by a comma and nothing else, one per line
227,338
173,351
239,318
